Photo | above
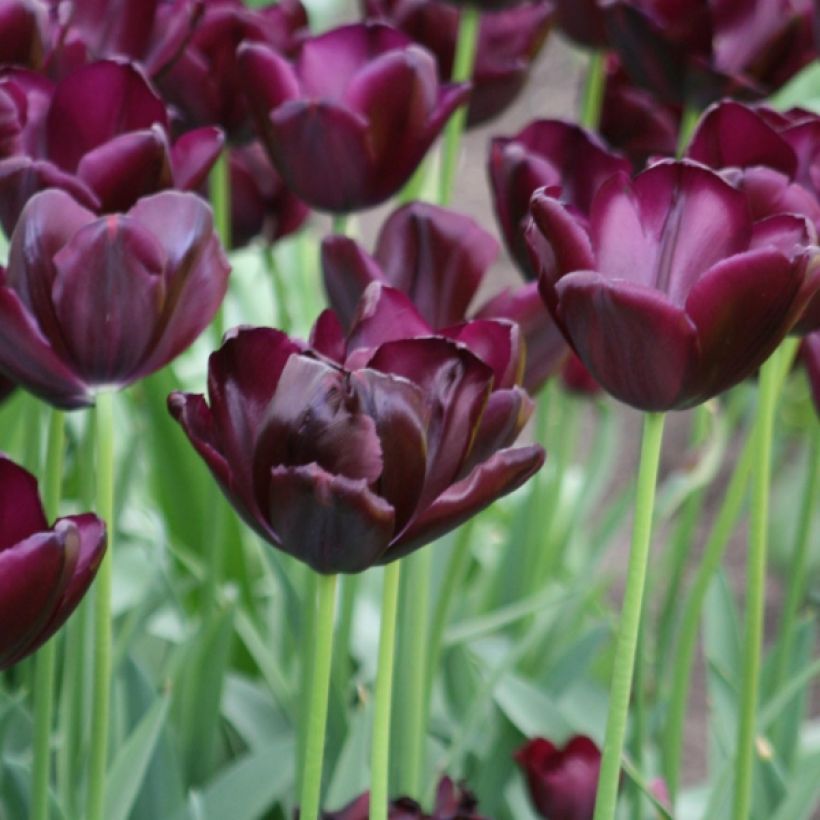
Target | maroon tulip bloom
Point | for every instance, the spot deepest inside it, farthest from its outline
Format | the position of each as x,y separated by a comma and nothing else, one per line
347,467
205,83
577,379
809,355
90,302
559,155
562,782
694,52
634,121
349,121
261,204
439,259
105,156
581,21
672,294
453,802
44,572
508,42
23,27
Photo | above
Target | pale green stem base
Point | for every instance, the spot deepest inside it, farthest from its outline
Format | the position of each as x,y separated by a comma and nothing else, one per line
98,756
380,749
620,690
316,716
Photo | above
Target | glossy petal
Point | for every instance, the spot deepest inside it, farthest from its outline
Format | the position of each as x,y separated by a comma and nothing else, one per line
497,342
21,513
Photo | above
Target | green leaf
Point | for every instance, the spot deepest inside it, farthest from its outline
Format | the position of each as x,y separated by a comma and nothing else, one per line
128,769
530,710
802,795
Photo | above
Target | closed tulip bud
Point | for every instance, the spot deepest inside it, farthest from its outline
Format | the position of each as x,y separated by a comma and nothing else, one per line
44,571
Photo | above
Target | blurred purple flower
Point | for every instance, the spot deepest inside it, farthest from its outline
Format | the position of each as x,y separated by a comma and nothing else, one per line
23,33
347,467
100,134
205,83
562,781
508,43
581,21
44,572
671,294
90,302
694,52
349,121
566,158
577,379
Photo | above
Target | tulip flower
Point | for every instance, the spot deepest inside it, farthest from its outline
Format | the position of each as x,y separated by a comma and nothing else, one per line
89,302
809,354
453,802
672,294
439,259
694,52
261,204
105,156
582,21
577,379
552,153
44,572
345,467
508,42
23,32
348,121
562,781
205,83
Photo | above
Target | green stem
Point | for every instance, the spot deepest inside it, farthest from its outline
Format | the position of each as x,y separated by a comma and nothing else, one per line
755,586
219,186
31,444
463,62
349,587
46,658
414,186
98,756
719,535
380,750
339,223
316,715
593,98
620,690
688,121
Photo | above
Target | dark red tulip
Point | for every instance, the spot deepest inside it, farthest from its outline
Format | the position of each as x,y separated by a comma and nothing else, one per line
205,83
694,52
581,21
44,571
562,781
105,156
453,802
634,121
23,32
552,153
90,302
345,467
439,259
672,294
261,204
809,355
508,42
348,122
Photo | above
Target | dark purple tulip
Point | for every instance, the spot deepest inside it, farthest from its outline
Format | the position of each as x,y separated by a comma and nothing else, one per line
44,572
347,467
439,259
23,27
550,153
672,294
90,302
562,781
694,52
508,42
261,204
105,156
581,21
205,83
577,379
634,121
810,357
348,122
453,802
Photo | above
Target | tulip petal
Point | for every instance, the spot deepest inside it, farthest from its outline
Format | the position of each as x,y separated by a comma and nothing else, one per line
437,257
327,337
269,80
347,270
21,513
633,340
497,343
193,155
504,472
742,308
331,522
108,296
789,233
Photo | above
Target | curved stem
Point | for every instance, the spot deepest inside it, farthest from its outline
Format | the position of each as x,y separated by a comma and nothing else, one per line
463,63
593,98
620,690
102,611
688,121
380,749
755,585
316,716
46,657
